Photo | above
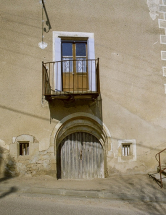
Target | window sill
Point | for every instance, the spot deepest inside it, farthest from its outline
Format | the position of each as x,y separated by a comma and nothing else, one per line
126,158
23,157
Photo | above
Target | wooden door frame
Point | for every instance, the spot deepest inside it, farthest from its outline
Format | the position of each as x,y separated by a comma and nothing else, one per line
84,122
84,173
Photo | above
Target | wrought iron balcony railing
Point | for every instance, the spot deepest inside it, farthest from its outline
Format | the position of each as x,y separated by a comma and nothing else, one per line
78,79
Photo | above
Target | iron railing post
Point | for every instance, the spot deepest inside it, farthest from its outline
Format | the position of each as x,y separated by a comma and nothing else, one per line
98,77
159,166
42,79
160,171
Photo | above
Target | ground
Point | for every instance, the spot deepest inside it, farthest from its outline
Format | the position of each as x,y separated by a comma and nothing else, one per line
47,204
134,194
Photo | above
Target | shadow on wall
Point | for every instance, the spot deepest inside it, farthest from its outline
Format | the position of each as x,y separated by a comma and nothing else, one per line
7,165
62,108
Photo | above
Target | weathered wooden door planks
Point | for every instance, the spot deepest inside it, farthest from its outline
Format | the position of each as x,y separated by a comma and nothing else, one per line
80,155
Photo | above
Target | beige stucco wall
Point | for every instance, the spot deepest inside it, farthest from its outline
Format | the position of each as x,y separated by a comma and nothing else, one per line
127,41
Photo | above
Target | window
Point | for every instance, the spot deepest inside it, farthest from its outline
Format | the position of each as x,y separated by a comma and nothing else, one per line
126,149
24,148
74,65
74,55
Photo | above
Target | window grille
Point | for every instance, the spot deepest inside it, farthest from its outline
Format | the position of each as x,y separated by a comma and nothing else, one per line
125,149
24,148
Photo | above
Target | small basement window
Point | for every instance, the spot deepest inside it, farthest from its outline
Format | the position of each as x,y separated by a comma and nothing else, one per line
126,149
24,148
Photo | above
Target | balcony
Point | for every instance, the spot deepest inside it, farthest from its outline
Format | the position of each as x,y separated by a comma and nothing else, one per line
71,79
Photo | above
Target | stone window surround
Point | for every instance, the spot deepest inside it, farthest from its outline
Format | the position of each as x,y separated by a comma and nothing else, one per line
57,36
132,156
24,138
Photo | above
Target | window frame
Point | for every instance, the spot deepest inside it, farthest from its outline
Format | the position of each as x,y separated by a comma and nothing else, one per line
132,152
58,36
126,146
74,55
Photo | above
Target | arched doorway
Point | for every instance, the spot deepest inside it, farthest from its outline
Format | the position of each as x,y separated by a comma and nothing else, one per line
80,155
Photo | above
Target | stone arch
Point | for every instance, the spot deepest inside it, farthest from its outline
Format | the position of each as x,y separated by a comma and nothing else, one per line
82,122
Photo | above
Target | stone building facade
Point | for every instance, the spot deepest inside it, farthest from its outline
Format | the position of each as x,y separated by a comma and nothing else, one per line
112,119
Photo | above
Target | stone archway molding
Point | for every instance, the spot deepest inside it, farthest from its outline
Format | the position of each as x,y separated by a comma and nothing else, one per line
78,122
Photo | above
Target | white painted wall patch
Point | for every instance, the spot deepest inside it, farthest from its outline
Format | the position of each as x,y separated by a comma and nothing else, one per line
165,88
164,71
162,39
163,55
153,8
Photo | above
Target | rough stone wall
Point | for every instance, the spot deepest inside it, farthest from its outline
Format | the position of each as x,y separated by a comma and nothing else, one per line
41,164
34,161
8,166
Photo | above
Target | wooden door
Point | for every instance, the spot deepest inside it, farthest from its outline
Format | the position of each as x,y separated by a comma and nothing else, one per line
80,155
74,66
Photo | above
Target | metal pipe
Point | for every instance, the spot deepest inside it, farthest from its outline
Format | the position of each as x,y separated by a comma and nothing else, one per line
48,21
